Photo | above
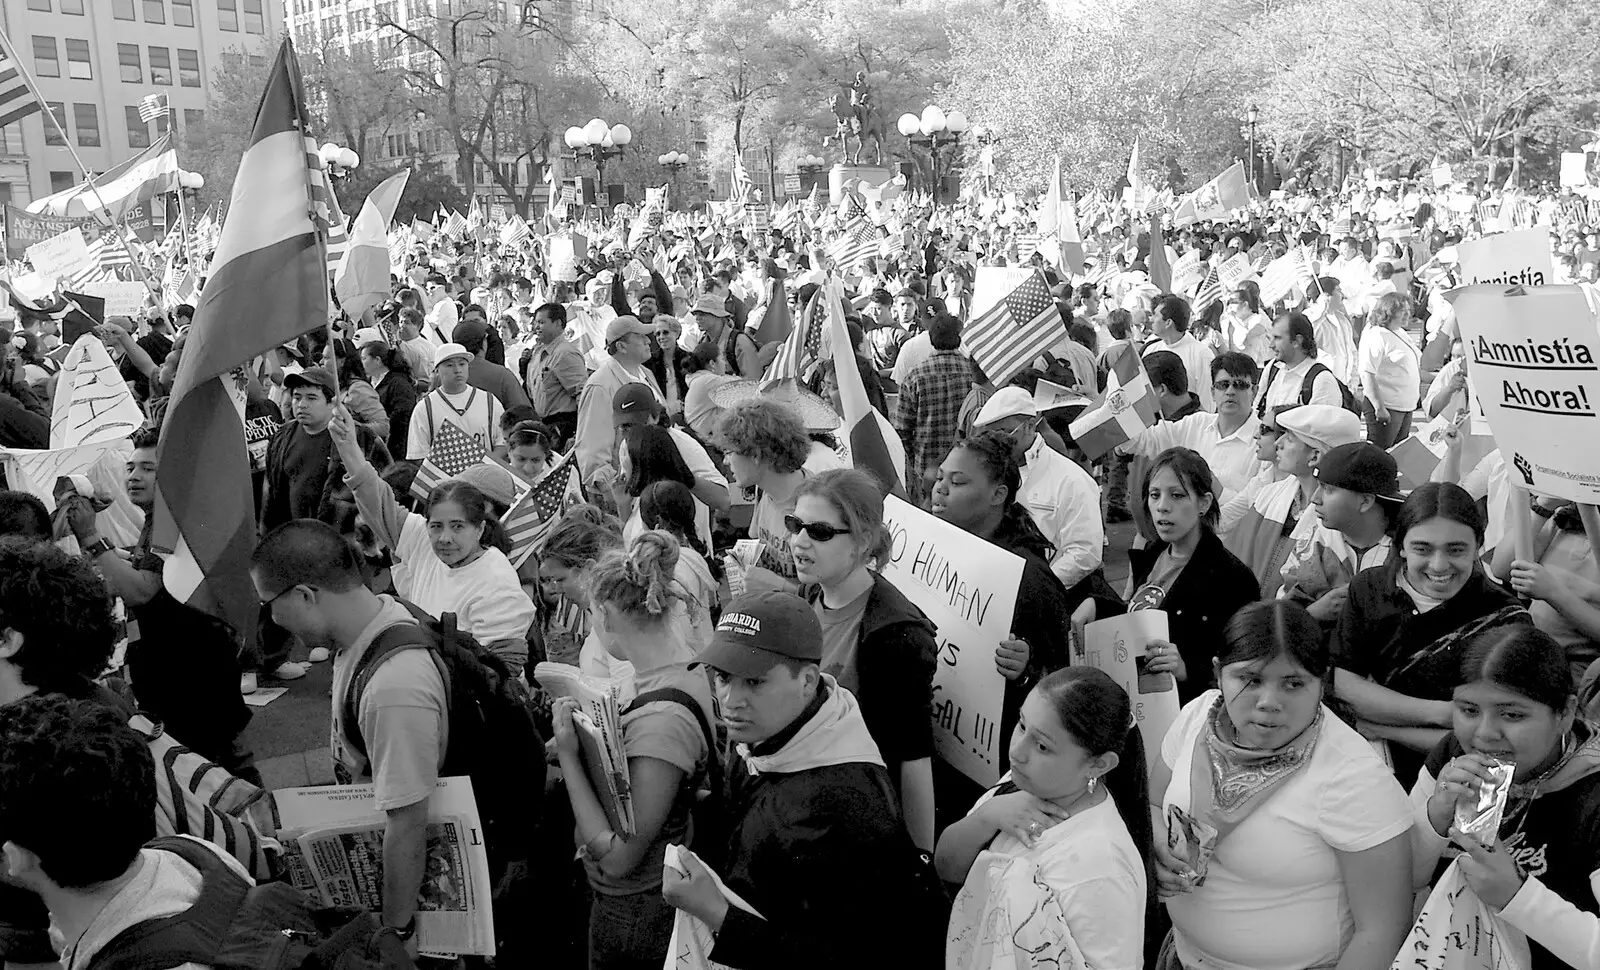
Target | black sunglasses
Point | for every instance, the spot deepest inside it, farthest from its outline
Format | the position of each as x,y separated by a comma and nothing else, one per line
818,531
1236,385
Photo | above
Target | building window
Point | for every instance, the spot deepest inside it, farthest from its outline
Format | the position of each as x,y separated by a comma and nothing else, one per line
128,63
228,15
72,6
192,117
138,131
43,5
52,133
61,181
78,65
182,13
46,63
254,23
160,65
122,9
87,118
155,12
188,68
162,120
5,193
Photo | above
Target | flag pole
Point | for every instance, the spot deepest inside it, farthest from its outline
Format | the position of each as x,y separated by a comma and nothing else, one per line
44,109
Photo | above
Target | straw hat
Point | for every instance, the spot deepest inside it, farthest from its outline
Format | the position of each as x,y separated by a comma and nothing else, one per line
812,410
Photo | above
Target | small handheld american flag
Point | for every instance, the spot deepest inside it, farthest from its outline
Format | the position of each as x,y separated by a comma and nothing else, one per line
151,107
540,506
454,451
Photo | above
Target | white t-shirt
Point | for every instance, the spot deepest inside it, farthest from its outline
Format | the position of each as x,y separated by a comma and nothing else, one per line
474,410
1273,898
485,595
1091,867
1390,358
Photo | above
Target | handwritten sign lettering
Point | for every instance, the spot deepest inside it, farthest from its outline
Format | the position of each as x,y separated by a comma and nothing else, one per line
1117,646
92,402
1456,931
968,588
60,256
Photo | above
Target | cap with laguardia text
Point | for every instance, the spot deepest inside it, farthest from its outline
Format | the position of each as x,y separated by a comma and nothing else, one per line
759,630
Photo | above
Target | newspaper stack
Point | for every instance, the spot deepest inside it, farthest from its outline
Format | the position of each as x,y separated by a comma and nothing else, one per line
332,839
598,720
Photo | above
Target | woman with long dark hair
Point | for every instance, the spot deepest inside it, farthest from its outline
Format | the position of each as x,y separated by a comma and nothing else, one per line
1514,704
1059,851
389,373
1397,646
1282,840
1187,571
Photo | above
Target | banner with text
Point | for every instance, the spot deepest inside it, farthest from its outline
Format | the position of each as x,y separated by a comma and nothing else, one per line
968,588
24,229
59,257
1534,364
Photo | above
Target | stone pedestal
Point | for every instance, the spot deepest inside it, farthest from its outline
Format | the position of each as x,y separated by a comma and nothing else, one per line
844,173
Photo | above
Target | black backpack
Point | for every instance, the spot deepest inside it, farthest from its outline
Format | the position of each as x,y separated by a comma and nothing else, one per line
492,736
236,926
1347,398
710,812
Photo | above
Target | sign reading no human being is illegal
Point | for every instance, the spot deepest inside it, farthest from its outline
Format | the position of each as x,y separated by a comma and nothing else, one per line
1534,355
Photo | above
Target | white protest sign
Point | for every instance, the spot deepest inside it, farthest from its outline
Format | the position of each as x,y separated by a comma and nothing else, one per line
104,464
1442,176
122,299
1456,931
92,402
1519,258
1117,646
1534,365
60,256
1574,168
564,252
968,588
1234,270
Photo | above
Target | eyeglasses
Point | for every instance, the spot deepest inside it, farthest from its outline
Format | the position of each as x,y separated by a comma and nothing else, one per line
818,531
267,603
1225,386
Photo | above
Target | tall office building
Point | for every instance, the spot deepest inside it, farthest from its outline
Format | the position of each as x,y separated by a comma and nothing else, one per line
95,59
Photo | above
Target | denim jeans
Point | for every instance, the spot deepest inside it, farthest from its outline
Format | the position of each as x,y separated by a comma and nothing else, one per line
629,932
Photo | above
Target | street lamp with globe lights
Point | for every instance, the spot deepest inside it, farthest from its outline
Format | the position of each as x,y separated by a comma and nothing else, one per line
191,183
338,160
673,162
597,142
934,130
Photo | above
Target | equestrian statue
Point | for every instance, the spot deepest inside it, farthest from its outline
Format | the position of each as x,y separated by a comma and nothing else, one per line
857,116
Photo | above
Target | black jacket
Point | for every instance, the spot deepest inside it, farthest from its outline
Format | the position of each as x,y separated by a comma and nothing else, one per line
398,395
275,502
1212,587
896,652
823,855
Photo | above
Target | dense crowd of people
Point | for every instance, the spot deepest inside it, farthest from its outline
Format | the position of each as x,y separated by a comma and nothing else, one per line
1354,659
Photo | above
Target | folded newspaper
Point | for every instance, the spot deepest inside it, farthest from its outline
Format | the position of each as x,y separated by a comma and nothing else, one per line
599,723
332,840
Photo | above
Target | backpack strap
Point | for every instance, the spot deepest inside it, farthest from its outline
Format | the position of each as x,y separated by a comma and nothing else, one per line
194,936
401,636
674,695
1308,386
427,404
1272,372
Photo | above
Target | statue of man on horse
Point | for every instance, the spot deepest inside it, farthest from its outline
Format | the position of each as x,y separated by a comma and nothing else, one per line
858,118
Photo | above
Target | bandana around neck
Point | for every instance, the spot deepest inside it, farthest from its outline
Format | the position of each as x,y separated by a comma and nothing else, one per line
1228,782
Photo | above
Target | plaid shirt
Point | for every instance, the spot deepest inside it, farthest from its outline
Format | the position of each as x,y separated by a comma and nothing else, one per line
928,413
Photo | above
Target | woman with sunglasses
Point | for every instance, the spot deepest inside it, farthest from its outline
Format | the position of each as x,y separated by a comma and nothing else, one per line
875,642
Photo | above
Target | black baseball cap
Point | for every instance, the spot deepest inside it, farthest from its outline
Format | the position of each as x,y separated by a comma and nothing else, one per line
1361,467
633,398
759,630
313,377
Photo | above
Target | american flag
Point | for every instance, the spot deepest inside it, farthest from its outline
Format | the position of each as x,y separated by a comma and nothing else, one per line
151,107
791,355
1027,245
741,182
454,451
455,225
540,506
399,245
1021,326
855,243
106,254
1210,292
16,100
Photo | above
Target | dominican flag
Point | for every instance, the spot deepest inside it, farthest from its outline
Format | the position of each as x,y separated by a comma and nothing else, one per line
1129,406
874,445
268,285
